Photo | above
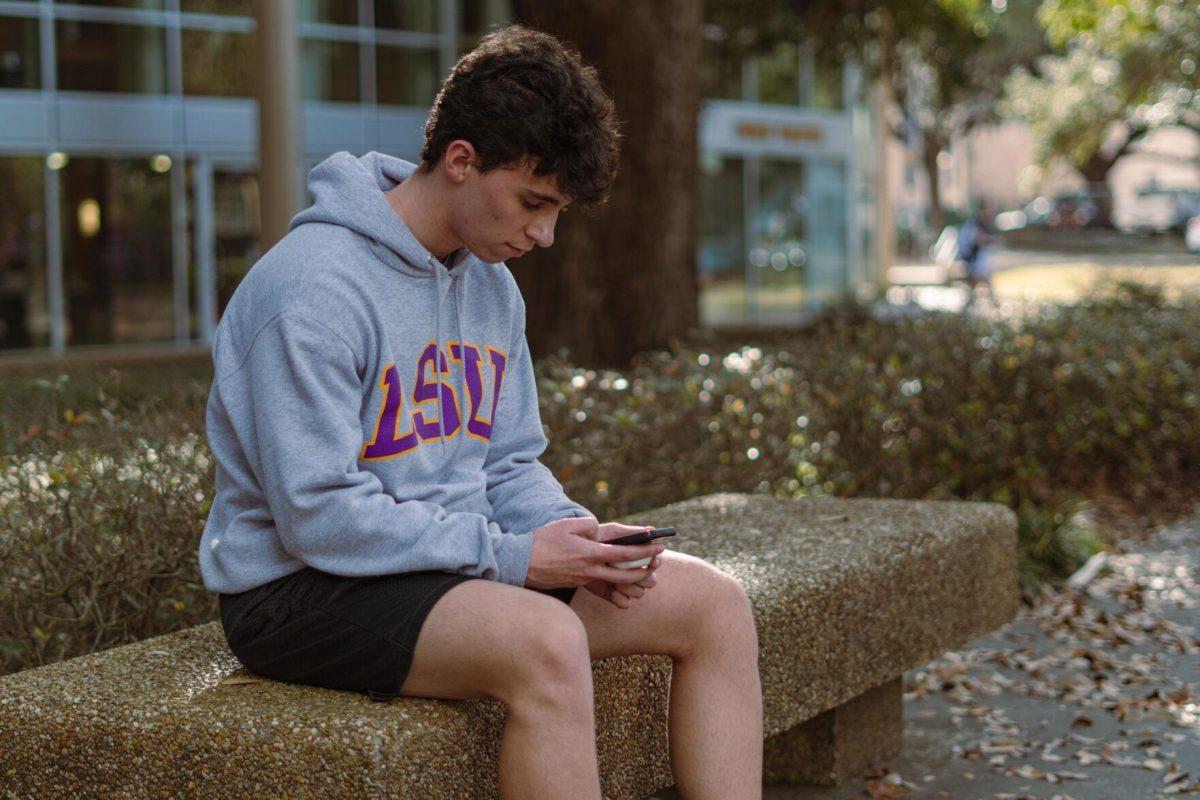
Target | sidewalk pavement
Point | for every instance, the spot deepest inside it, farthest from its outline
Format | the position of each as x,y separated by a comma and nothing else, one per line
1090,695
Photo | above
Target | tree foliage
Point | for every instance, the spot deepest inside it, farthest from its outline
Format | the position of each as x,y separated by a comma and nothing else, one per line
1127,67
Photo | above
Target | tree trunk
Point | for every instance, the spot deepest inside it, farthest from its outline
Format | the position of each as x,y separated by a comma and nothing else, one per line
1096,169
623,279
937,217
1095,173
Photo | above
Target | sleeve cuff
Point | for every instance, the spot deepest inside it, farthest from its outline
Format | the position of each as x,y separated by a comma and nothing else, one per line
512,551
562,512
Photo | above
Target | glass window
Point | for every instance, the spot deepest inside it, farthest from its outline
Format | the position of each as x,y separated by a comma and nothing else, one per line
218,63
237,233
337,12
116,224
237,226
722,252
19,53
828,270
23,319
329,71
406,76
407,15
779,251
236,7
99,57
779,75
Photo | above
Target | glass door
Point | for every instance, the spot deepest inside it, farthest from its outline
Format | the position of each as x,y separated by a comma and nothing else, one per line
779,251
829,278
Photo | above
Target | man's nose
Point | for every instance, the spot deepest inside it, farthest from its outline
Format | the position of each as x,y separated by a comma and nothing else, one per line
542,230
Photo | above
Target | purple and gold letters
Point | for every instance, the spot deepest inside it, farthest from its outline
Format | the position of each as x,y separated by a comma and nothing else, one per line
421,422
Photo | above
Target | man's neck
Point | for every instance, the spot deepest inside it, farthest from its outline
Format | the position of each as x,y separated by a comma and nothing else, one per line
416,201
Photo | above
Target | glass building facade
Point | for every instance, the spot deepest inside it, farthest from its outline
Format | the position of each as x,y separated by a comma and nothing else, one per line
128,158
784,194
128,148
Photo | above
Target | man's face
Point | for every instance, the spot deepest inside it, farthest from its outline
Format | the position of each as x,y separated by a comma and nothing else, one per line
503,213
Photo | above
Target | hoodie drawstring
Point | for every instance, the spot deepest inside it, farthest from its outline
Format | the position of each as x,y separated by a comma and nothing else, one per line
463,400
437,356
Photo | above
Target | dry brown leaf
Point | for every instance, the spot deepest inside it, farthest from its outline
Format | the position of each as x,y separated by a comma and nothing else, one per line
237,680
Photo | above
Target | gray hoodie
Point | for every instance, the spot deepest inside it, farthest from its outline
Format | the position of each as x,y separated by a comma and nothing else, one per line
337,446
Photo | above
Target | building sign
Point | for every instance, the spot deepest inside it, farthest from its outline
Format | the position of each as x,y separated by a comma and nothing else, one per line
729,126
789,133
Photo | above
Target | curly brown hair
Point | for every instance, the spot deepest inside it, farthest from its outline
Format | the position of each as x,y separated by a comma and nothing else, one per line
523,96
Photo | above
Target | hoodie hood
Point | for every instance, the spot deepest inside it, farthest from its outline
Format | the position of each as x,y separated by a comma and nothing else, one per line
349,192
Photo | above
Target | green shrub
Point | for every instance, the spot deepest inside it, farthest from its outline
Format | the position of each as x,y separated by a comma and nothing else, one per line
46,410
99,548
106,481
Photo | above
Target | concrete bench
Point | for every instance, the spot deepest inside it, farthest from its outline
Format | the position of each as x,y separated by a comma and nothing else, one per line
847,595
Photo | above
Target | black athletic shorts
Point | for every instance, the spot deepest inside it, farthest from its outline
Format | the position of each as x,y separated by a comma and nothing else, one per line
356,634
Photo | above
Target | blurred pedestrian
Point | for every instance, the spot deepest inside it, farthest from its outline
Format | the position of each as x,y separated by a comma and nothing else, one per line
976,240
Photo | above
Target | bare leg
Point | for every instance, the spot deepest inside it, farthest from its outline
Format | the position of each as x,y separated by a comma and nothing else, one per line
549,746
716,719
529,651
700,617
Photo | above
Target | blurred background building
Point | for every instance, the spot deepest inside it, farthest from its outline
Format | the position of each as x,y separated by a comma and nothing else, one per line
128,148
787,196
129,159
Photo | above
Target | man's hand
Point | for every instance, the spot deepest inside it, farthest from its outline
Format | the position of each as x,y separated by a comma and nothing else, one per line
569,552
622,596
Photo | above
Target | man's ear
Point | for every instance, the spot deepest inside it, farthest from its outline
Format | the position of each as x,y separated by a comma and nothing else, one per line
459,158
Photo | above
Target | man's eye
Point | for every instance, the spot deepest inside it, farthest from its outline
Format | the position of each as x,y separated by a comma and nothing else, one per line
530,206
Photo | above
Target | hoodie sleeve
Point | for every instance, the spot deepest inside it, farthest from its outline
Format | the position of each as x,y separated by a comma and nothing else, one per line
295,403
523,493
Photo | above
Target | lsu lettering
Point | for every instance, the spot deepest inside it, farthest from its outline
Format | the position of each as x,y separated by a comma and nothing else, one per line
397,432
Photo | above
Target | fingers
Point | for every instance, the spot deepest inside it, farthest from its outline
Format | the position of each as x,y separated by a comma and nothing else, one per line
623,595
580,526
614,530
617,576
631,552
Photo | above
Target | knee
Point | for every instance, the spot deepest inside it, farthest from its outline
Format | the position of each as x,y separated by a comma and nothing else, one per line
556,669
727,618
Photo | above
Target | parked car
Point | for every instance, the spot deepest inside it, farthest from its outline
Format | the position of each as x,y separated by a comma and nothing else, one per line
1065,210
1191,234
1157,210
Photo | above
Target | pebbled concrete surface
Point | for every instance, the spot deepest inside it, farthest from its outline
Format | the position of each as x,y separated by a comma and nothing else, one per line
847,595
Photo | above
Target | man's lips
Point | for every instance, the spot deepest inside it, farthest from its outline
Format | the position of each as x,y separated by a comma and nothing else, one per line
518,250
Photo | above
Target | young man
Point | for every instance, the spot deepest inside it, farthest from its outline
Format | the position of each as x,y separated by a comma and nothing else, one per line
382,523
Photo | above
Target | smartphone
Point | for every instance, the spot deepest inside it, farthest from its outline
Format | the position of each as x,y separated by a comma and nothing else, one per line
642,538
